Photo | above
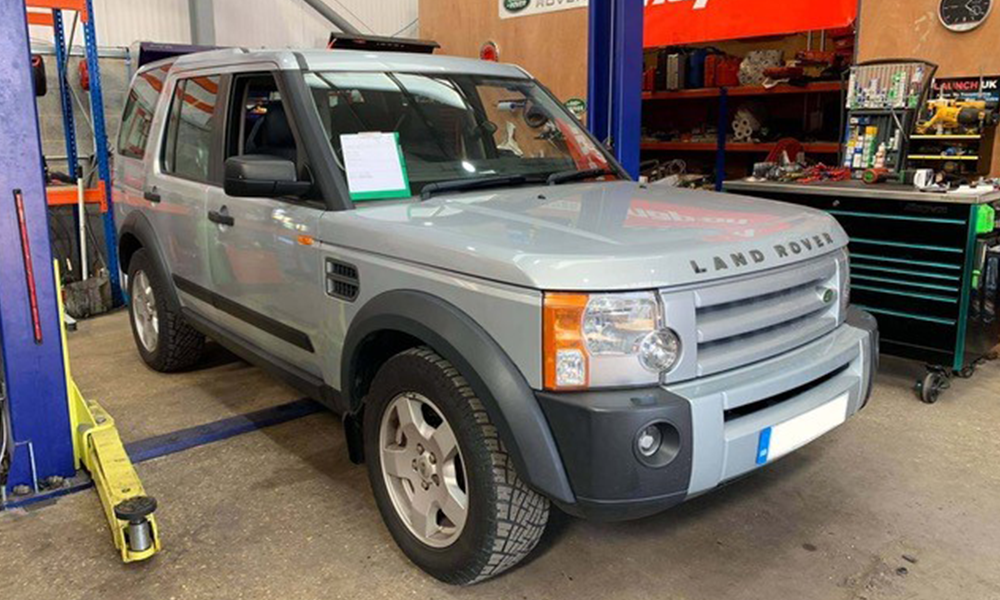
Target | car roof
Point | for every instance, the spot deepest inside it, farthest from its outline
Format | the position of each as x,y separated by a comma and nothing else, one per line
344,60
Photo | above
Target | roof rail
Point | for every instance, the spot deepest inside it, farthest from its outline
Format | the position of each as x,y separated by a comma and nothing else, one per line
149,52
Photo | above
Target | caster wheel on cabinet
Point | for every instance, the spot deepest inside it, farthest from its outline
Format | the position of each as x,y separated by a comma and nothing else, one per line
930,387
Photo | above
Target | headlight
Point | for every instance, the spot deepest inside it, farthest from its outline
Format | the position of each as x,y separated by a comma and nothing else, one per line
605,340
659,350
617,324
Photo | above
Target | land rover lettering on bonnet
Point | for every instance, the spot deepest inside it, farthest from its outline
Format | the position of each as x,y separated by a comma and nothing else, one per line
737,260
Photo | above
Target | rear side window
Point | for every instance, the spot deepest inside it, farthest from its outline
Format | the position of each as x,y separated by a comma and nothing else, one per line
139,109
188,145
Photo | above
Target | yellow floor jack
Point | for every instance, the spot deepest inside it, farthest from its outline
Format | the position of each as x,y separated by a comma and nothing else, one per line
98,449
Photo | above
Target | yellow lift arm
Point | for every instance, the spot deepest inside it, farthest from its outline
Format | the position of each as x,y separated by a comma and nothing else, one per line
98,449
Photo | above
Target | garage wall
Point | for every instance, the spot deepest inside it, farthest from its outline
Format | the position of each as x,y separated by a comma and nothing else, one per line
121,22
552,46
281,23
910,28
255,23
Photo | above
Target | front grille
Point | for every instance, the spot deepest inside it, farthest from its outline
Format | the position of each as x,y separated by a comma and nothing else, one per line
754,407
755,318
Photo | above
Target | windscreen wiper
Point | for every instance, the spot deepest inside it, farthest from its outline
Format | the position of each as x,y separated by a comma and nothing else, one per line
567,176
474,183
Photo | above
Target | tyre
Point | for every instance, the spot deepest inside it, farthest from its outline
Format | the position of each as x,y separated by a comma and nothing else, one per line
443,481
165,342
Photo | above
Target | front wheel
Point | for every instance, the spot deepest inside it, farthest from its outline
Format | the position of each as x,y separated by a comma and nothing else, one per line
444,483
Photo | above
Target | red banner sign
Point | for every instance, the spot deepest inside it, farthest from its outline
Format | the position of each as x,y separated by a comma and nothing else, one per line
671,22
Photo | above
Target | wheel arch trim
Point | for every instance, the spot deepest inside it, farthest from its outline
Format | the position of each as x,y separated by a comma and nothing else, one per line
138,226
494,378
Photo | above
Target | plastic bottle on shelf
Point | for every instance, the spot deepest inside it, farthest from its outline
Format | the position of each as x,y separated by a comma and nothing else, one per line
880,156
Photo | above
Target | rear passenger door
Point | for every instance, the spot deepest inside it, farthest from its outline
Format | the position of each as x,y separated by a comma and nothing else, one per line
132,155
177,186
265,268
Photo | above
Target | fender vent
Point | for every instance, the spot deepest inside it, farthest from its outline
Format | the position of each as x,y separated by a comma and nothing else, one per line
341,280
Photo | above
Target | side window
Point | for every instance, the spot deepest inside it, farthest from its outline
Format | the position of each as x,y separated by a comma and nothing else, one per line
259,124
138,116
188,144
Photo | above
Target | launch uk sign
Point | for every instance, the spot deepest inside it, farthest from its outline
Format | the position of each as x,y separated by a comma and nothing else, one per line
523,8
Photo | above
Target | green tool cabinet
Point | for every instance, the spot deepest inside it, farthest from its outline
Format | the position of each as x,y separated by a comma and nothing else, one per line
924,264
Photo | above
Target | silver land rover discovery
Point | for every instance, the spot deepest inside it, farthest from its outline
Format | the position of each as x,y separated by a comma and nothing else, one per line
519,325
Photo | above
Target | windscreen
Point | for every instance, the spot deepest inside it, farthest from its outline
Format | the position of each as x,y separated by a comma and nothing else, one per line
452,127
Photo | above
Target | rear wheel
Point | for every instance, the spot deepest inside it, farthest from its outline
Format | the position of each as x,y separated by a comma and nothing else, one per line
165,341
444,483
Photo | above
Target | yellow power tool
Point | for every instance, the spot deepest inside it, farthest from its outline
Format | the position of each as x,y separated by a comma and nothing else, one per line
958,116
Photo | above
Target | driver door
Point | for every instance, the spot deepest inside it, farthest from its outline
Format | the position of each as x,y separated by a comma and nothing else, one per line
265,269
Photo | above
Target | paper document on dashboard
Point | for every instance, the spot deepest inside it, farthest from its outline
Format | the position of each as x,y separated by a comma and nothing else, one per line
376,169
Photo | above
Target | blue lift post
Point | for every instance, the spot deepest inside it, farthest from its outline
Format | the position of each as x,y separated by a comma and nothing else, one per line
33,370
614,84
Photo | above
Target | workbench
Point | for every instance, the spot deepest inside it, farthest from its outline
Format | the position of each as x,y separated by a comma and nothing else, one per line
921,263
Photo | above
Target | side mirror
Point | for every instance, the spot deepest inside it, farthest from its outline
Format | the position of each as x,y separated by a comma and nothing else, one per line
263,176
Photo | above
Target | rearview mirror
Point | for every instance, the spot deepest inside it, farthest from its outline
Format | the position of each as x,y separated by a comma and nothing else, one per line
262,175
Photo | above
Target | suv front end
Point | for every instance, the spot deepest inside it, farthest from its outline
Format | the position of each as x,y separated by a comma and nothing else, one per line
659,396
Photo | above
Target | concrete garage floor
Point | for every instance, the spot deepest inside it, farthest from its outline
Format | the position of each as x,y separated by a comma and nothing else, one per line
281,513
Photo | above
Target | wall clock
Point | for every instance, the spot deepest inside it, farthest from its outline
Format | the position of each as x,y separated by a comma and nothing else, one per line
964,15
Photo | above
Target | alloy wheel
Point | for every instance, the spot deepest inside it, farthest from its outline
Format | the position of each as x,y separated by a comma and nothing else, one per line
423,470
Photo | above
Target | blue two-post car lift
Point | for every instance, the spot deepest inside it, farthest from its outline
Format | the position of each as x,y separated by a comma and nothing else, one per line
35,382
615,77
50,430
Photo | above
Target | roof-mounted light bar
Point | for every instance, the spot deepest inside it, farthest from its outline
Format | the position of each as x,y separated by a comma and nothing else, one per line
347,41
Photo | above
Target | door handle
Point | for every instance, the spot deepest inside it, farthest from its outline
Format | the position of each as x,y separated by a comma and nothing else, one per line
220,218
151,195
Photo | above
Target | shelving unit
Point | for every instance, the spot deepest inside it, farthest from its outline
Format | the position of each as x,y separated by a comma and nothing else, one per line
50,13
884,100
813,147
947,137
809,147
927,150
721,146
809,88
942,157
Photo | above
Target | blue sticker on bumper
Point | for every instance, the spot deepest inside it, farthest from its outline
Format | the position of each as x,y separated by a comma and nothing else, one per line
763,445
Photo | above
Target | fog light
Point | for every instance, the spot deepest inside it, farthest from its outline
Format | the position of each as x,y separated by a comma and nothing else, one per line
657,444
649,441
659,350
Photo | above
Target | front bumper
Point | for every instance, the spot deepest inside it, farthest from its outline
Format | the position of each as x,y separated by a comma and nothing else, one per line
718,421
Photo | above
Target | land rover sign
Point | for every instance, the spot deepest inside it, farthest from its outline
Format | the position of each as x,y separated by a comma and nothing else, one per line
523,8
